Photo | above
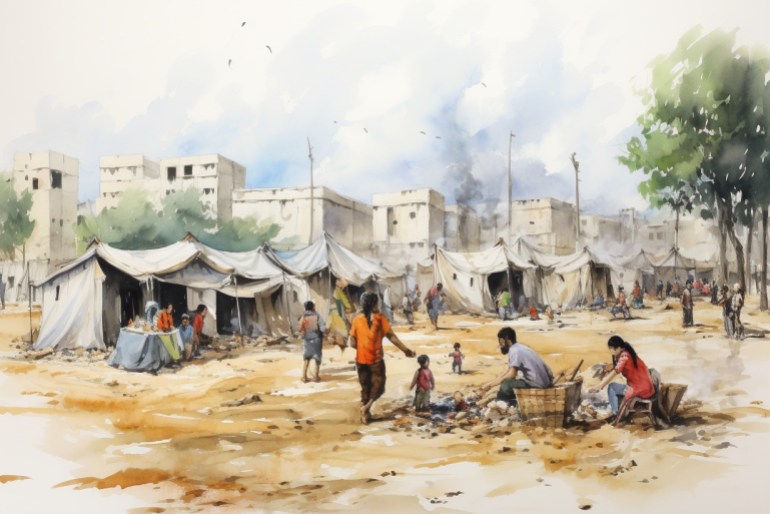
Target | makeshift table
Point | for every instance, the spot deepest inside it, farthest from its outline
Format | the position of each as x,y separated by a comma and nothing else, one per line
137,350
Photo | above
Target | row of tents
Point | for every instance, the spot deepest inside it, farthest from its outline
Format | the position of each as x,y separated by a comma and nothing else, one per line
85,303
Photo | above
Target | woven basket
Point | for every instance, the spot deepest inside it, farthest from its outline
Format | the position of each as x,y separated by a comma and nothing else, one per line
549,407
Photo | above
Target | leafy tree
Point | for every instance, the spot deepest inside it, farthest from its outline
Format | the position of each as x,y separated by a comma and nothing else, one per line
15,223
698,129
241,234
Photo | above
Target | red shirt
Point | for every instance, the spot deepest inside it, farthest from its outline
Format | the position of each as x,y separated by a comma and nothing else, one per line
424,379
198,324
637,378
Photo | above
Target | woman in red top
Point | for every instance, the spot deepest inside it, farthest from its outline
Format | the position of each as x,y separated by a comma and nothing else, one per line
625,362
367,331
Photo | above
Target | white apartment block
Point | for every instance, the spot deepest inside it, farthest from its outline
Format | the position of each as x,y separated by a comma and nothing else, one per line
348,221
216,177
52,179
406,224
117,173
551,222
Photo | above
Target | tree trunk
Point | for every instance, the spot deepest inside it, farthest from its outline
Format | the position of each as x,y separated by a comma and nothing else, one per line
729,227
722,243
763,276
749,239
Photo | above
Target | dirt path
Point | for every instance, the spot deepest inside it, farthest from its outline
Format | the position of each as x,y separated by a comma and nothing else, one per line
238,431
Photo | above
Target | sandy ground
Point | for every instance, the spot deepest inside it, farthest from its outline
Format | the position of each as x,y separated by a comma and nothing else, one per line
80,436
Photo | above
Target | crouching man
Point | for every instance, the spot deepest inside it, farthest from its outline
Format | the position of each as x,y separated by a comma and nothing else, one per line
525,368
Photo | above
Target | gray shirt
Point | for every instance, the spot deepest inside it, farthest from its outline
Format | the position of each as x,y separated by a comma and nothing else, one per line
535,372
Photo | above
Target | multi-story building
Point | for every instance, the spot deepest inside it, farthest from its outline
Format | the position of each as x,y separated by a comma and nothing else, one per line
462,229
549,221
595,229
346,220
406,224
117,173
216,177
52,179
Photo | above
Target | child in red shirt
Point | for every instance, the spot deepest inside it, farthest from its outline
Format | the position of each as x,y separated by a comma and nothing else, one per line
423,382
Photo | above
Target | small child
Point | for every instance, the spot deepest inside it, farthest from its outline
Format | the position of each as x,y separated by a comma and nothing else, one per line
423,381
457,359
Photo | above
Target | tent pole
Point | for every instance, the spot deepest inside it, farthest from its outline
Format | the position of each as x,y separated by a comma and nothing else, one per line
286,302
238,305
29,301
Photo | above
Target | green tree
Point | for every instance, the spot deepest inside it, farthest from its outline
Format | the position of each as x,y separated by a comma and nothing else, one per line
241,234
15,223
697,129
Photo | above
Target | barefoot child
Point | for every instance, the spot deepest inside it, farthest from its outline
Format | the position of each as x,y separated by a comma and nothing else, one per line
423,381
457,359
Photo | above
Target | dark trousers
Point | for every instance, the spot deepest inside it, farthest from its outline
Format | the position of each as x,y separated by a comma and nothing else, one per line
507,391
372,380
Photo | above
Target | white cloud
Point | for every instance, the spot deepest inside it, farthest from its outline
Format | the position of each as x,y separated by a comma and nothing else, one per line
92,79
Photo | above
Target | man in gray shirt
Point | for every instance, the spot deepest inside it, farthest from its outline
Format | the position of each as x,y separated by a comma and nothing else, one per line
522,361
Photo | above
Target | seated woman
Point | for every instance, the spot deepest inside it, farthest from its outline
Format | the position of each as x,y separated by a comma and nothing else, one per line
624,362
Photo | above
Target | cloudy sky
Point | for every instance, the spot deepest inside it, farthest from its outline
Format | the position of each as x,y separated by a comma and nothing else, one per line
393,95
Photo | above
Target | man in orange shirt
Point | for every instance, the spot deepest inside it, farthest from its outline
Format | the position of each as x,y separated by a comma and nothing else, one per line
367,330
166,320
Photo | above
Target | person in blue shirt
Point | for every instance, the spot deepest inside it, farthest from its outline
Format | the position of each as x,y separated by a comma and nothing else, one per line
186,333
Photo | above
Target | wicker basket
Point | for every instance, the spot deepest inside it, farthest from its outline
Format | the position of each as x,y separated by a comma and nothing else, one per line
549,407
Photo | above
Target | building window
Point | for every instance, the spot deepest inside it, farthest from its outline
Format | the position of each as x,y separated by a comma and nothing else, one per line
10,281
471,281
57,293
391,222
171,172
55,179
660,236
652,236
412,215
34,183
61,223
188,170
454,276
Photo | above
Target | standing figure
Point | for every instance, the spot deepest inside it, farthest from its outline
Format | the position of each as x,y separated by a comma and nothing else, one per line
340,313
737,305
422,383
457,359
726,301
2,292
621,307
368,329
433,303
687,305
198,320
669,288
637,296
312,328
504,304
186,335
714,293
406,306
659,290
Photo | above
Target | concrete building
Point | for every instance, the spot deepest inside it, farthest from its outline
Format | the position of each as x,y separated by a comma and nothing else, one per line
52,178
348,221
600,230
462,229
215,176
117,173
549,221
406,224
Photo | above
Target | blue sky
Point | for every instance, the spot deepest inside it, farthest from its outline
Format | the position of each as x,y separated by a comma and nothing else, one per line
392,95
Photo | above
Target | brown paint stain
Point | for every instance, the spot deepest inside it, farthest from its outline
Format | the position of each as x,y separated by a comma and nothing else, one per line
125,478
12,478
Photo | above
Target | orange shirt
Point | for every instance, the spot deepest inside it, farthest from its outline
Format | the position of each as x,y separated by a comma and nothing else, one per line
369,340
165,321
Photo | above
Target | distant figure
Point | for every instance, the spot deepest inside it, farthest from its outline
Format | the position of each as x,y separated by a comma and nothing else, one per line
198,320
714,293
637,297
433,303
598,302
416,297
340,313
659,290
669,288
406,307
165,321
677,290
312,328
620,306
186,335
737,305
687,305
2,292
457,359
504,304
533,314
726,301
422,383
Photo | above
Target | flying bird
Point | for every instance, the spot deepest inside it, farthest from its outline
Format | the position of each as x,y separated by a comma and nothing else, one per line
483,84
366,130
242,24
438,137
229,63
422,132
269,49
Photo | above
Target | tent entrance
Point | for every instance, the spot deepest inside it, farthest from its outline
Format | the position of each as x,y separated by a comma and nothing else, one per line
130,302
511,280
175,295
227,315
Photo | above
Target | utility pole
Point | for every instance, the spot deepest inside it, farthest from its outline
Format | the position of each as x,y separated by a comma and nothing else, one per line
510,185
576,165
310,156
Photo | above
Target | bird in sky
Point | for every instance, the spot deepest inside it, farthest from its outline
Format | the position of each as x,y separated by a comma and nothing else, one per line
366,130
229,63
483,84
242,24
438,137
422,132
269,49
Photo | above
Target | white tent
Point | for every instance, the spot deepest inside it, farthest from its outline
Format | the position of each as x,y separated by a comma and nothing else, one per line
585,275
100,278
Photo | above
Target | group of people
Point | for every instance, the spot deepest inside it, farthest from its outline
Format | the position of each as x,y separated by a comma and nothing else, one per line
191,334
732,303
